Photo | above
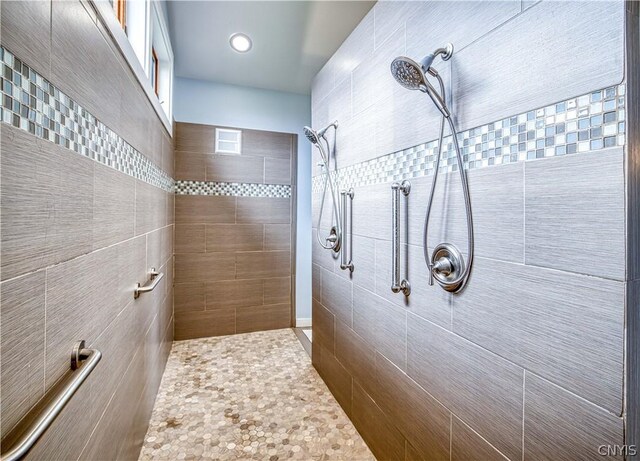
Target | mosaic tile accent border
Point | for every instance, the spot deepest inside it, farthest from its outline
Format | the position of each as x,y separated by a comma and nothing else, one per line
233,189
590,122
32,103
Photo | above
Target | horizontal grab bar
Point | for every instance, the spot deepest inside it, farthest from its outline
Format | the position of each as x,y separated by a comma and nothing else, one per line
154,277
53,409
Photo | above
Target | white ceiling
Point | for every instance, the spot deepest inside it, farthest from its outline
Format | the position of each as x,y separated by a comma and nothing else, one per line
291,40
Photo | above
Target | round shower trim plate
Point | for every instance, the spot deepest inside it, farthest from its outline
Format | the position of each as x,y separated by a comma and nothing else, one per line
449,52
453,256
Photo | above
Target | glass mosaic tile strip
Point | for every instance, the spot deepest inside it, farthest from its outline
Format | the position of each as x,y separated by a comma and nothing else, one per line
32,103
232,189
589,122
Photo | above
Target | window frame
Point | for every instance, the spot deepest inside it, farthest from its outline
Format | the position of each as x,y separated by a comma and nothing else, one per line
217,139
140,67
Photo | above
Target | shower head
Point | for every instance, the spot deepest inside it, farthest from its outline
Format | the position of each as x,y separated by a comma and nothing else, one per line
314,136
412,75
408,73
311,135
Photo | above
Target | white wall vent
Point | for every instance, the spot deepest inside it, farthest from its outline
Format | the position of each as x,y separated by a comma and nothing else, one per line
228,141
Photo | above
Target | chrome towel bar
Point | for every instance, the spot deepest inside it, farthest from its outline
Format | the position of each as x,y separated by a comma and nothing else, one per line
397,285
49,413
346,252
154,278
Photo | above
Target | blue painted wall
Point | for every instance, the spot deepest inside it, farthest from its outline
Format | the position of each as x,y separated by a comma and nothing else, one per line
197,101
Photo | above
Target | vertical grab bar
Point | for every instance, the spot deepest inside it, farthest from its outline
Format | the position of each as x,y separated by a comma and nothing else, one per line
397,285
346,254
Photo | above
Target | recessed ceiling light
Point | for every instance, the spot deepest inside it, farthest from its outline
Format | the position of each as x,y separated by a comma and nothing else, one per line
240,42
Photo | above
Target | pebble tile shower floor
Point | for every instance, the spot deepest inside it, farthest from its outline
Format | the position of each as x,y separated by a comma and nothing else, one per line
247,396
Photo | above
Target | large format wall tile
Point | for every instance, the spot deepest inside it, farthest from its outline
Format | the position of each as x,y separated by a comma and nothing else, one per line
234,168
263,210
22,346
550,434
356,48
261,264
234,293
382,324
99,82
215,322
191,137
267,317
47,203
113,206
267,144
337,295
234,237
497,207
22,26
277,171
461,23
199,209
190,166
492,79
420,417
575,218
205,267
470,381
467,445
384,440
567,328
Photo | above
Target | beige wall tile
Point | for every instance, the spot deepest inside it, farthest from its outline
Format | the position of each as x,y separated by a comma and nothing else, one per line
22,347
190,238
277,290
234,237
268,317
192,137
234,293
216,322
205,267
262,264
198,209
234,168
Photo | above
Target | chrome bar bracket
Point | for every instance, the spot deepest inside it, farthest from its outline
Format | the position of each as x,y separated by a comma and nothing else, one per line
83,361
397,285
346,254
154,279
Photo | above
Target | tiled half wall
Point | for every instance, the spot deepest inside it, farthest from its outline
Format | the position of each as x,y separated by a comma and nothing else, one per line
233,245
527,363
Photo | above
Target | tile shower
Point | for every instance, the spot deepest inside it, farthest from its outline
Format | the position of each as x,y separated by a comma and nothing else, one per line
234,228
528,361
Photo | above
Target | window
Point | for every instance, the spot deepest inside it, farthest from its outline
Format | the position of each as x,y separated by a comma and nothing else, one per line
120,7
154,70
161,59
228,141
140,31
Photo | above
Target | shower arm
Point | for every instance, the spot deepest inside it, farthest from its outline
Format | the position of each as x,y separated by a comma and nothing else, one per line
465,190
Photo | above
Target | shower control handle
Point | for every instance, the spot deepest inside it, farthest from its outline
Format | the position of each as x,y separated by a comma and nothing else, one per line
397,285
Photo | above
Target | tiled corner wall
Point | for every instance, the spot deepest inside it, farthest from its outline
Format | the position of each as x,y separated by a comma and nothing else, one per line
527,363
233,233
86,203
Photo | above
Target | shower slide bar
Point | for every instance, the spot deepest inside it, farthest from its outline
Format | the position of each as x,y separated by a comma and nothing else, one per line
49,413
397,285
154,278
346,253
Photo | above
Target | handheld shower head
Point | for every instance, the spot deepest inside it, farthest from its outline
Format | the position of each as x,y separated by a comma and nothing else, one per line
314,136
412,75
311,135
